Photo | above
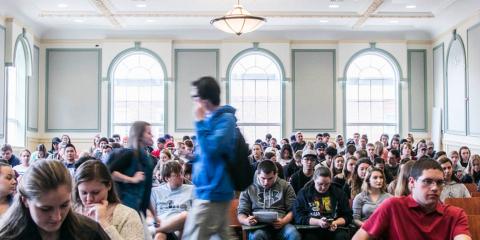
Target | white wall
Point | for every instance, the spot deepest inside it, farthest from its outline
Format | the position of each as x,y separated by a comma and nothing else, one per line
345,49
450,141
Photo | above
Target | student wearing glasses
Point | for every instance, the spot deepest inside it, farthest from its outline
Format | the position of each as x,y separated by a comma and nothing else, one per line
428,217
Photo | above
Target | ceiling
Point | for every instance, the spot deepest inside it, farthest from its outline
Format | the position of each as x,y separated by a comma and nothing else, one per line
286,19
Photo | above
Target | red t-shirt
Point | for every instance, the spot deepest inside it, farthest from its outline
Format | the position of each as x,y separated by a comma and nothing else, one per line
155,153
403,218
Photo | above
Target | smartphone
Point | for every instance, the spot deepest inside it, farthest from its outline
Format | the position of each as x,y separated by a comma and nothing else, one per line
330,220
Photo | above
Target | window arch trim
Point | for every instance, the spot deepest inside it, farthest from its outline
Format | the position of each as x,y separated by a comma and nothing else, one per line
389,57
275,58
23,42
111,68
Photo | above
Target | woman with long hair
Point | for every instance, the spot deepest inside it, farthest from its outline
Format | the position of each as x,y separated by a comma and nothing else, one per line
40,153
374,192
42,209
400,185
286,154
132,168
473,170
94,196
337,170
8,184
354,185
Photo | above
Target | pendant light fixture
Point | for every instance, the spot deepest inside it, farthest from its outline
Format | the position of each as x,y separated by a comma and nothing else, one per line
238,21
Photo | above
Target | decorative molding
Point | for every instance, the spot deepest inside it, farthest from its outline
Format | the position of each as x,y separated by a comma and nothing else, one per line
368,13
455,37
99,91
441,45
469,79
334,89
425,93
36,61
216,51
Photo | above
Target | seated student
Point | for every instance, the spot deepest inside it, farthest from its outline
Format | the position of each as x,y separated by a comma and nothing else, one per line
8,185
286,155
330,153
337,170
393,160
257,154
94,196
69,156
7,155
25,162
374,192
399,187
272,194
428,218
322,204
272,157
298,180
107,149
453,187
171,200
42,209
472,172
378,162
354,185
293,166
40,153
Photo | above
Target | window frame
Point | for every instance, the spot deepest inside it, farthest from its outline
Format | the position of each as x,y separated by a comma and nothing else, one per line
23,42
276,60
111,70
398,80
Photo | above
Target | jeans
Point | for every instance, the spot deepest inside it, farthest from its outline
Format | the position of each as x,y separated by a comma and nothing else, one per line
288,232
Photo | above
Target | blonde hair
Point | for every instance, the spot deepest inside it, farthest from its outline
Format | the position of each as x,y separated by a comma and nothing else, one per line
402,188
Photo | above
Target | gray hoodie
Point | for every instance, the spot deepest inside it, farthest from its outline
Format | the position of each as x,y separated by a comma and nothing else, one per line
279,198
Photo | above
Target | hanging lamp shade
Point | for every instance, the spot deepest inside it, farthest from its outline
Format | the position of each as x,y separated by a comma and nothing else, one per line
238,21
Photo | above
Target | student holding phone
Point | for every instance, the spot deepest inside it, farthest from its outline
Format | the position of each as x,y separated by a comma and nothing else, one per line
322,204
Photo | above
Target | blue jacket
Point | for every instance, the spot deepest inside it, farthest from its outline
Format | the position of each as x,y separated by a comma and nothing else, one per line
14,161
216,140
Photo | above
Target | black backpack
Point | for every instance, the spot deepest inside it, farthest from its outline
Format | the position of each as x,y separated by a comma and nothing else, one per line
239,167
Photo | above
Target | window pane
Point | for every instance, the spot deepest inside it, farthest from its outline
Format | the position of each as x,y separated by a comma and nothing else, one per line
138,92
377,98
255,91
364,90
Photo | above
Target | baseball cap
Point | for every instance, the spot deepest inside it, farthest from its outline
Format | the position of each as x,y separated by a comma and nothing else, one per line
320,145
309,152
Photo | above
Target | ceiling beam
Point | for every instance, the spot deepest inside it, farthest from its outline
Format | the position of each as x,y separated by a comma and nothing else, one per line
160,14
369,12
101,5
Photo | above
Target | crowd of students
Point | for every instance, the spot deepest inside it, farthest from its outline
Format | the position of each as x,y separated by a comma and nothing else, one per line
127,188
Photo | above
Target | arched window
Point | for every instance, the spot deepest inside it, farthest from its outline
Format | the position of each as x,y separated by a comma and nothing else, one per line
137,92
16,93
255,91
372,104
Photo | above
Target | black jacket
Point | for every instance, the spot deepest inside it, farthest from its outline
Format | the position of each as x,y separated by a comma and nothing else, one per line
310,203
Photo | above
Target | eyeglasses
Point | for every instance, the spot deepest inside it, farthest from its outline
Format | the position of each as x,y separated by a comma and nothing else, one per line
427,182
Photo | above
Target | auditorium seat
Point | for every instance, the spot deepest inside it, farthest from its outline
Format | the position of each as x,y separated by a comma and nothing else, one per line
470,205
474,223
472,187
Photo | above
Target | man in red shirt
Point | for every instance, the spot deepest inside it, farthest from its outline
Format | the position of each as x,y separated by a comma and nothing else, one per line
420,215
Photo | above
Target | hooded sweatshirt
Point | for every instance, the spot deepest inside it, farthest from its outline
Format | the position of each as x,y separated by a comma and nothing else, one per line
216,141
312,204
278,198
